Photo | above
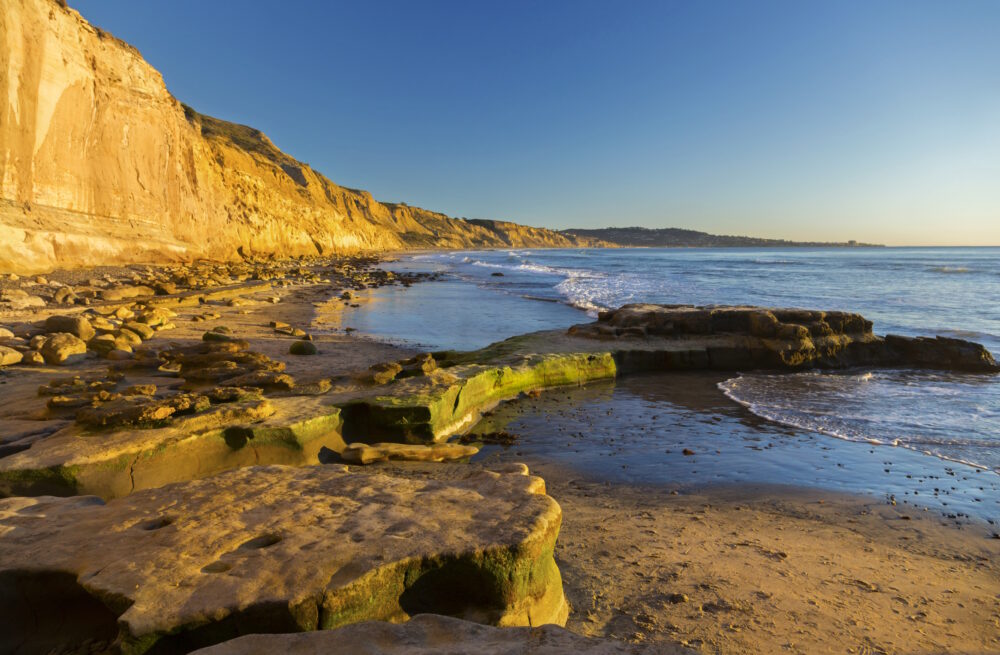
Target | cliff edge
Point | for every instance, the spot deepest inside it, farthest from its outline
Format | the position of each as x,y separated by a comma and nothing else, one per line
100,164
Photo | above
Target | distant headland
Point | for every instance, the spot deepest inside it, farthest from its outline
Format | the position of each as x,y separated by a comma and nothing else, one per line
673,237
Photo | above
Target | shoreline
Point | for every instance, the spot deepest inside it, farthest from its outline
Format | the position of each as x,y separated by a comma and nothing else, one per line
740,567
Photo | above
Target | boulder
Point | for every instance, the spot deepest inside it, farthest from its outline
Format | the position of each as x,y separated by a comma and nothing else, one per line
216,335
156,317
144,331
275,549
433,634
942,352
63,348
76,325
64,296
6,334
302,348
9,356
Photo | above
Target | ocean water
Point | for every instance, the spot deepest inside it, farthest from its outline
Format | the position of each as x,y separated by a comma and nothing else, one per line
954,292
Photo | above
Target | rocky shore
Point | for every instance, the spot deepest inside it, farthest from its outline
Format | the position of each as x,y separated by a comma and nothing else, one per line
166,431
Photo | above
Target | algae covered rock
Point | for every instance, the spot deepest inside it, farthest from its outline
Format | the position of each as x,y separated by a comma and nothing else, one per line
276,549
432,634
302,348
385,373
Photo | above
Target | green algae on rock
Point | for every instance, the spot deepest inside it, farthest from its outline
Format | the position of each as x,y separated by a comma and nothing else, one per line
196,563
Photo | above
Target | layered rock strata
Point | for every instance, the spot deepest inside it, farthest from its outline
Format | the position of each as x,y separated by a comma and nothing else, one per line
275,549
100,164
429,634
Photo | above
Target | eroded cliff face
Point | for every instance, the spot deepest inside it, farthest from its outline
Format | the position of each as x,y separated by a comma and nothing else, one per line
99,164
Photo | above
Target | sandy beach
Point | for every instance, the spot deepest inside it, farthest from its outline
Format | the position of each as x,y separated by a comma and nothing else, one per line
674,548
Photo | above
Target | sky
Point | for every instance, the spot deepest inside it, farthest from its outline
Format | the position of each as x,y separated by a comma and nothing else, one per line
877,121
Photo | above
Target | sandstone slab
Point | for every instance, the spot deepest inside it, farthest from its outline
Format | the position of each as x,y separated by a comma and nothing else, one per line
431,634
360,453
276,549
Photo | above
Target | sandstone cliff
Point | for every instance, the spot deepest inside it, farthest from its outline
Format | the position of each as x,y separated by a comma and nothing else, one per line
100,164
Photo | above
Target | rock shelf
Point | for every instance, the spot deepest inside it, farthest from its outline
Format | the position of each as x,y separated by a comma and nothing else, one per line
219,418
276,549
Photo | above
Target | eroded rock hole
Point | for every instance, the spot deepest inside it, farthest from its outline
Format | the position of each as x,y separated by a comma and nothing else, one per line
263,541
155,524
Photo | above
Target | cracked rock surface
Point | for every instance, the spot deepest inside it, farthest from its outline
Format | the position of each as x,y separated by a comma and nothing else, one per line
275,549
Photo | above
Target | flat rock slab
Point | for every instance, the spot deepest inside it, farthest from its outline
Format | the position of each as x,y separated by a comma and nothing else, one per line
430,634
360,453
275,549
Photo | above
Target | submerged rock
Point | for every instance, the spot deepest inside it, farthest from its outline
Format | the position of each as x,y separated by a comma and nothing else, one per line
275,549
432,634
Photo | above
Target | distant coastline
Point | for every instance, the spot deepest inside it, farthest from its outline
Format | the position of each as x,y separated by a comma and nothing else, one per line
672,237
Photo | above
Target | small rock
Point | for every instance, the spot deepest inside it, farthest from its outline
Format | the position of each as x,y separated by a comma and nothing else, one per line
141,390
165,288
216,335
385,373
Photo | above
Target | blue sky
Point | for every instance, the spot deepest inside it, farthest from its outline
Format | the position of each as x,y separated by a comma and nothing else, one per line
876,120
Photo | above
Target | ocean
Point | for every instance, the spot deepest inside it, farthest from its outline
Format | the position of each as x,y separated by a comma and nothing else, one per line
491,295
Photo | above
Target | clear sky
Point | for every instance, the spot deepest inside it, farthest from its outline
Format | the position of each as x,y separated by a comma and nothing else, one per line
874,120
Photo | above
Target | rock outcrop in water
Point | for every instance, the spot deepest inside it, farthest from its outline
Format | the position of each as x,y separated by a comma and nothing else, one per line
274,549
100,164
787,338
